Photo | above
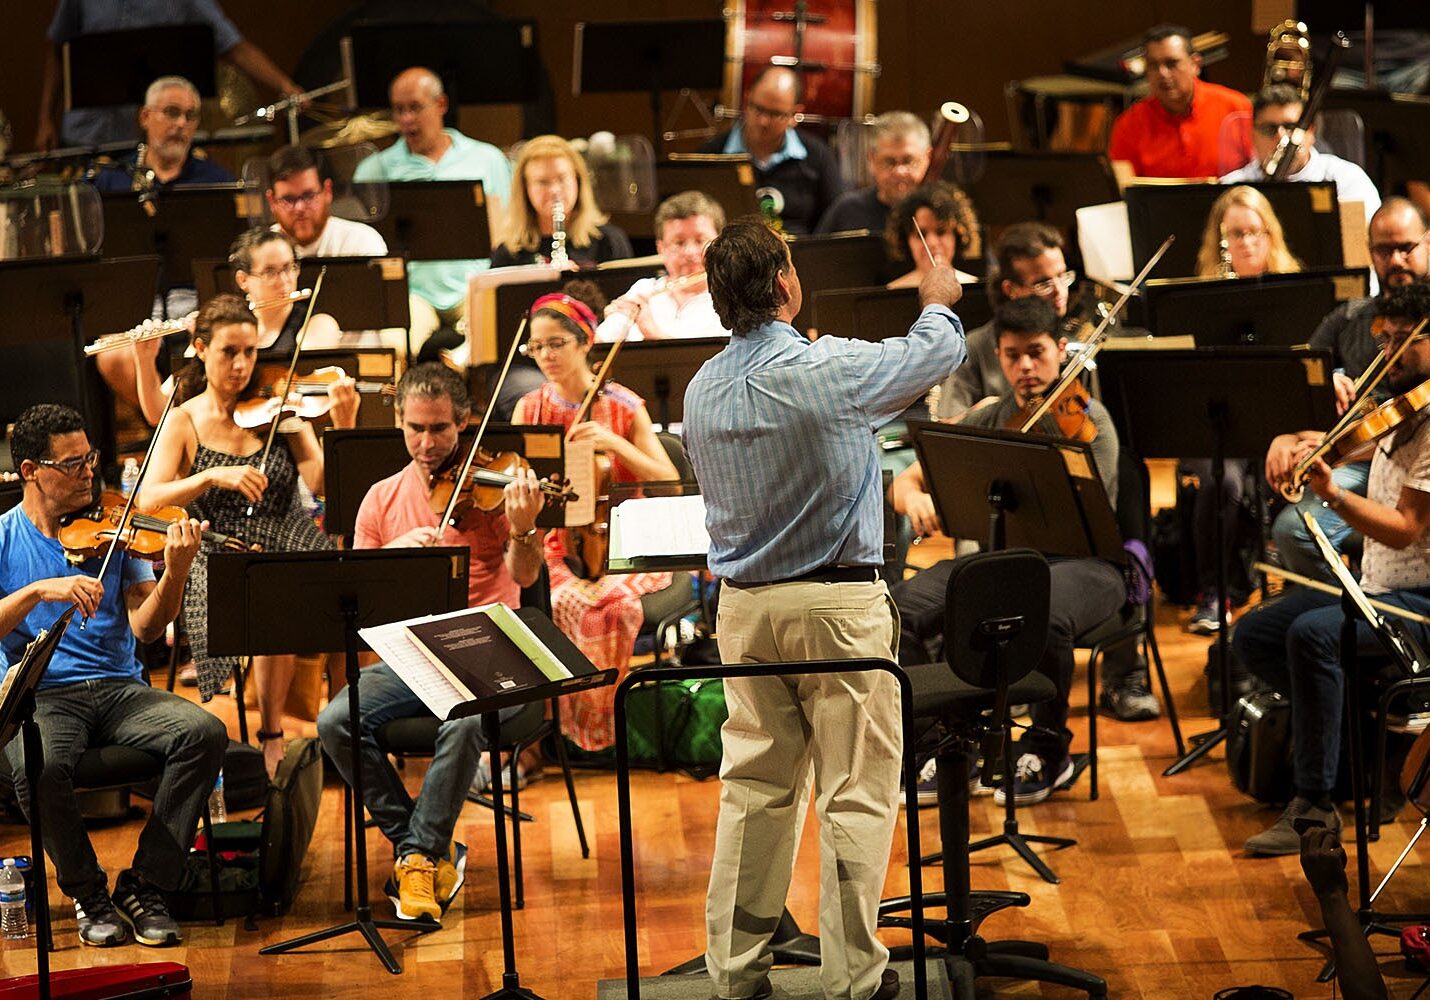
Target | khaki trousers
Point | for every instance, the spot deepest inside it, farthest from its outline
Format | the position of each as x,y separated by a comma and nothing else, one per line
842,731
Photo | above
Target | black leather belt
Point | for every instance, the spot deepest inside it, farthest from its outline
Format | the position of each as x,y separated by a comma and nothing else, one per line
824,574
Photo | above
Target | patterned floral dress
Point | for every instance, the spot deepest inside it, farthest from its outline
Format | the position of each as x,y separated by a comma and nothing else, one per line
601,616
279,524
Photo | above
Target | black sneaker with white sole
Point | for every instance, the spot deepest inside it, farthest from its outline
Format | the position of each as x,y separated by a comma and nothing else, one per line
142,904
100,925
1035,778
1129,699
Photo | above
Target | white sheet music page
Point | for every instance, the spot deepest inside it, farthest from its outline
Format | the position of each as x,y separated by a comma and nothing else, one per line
661,526
581,473
411,665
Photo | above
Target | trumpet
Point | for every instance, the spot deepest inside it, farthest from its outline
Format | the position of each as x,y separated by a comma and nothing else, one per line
301,295
150,329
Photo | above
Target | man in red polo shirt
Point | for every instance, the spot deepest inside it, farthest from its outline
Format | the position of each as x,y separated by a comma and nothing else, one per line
1176,130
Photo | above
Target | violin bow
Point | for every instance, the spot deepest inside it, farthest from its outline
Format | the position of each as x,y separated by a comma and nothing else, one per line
584,413
133,494
288,380
1094,342
471,459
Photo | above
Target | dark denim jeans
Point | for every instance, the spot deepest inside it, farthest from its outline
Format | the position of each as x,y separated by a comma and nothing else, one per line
75,717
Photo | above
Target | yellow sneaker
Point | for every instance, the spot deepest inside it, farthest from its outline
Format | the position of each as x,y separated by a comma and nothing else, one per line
415,877
450,875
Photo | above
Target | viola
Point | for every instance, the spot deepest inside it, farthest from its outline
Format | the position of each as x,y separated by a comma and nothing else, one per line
1070,411
483,489
89,534
306,396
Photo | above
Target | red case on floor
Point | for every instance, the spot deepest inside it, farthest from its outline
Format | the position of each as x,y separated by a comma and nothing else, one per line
149,981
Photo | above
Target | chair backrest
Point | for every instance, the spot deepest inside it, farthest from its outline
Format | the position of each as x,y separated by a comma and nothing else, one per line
1134,498
675,448
995,596
538,595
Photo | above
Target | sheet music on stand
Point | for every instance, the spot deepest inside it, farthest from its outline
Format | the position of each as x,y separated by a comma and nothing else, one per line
656,527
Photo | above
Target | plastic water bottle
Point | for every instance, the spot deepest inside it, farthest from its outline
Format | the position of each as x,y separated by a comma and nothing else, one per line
218,812
13,923
129,478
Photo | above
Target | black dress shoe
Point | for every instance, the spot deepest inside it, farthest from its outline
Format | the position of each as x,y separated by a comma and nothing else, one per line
888,986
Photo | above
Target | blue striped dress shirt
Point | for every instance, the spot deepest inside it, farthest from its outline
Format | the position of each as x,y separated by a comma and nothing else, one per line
780,432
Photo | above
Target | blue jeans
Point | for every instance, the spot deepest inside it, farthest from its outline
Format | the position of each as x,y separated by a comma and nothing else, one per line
1293,542
1294,645
74,717
421,827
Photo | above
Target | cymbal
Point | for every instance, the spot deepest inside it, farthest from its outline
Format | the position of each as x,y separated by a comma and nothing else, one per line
349,131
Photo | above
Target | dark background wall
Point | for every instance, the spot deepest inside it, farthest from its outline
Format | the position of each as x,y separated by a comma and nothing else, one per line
931,50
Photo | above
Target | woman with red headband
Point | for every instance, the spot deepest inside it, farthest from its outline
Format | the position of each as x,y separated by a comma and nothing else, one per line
601,616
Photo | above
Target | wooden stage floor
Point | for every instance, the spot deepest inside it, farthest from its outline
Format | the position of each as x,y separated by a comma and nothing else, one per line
1157,896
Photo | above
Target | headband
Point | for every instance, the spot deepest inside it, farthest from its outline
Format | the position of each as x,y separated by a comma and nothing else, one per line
575,310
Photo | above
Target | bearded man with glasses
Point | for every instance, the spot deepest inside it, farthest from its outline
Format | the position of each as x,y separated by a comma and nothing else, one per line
166,152
301,199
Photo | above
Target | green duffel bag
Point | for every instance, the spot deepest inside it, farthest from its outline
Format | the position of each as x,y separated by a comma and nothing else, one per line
687,722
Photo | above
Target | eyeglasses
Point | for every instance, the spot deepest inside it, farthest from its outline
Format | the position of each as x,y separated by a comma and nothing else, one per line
405,110
174,113
1238,235
1390,344
292,201
534,347
759,110
278,273
1388,251
1272,130
1053,285
896,162
73,466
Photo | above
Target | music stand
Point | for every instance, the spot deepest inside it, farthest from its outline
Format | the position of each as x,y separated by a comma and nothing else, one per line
114,68
1215,403
1397,132
659,371
878,313
53,306
361,293
648,57
509,70
675,557
729,181
17,713
1309,214
356,458
1273,310
339,592
190,222
514,299
837,261
437,220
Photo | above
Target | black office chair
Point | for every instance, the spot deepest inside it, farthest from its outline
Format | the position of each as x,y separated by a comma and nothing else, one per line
1131,625
995,631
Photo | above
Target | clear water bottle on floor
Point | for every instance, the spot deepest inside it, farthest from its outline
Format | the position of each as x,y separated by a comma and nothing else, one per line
218,812
13,923
129,478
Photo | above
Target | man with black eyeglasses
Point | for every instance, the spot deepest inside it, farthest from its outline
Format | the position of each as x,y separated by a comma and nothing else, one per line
1400,254
167,123
301,200
93,693
797,176
1276,110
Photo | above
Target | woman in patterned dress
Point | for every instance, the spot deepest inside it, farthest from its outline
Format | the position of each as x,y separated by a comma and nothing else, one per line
207,463
601,616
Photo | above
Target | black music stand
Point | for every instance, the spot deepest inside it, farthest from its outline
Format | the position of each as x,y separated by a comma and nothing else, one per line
514,300
509,70
437,220
648,57
356,458
1055,184
1219,403
339,593
1024,491
837,261
189,222
114,68
17,713
361,293
1309,214
879,313
660,370
1274,310
55,305
727,180
1397,130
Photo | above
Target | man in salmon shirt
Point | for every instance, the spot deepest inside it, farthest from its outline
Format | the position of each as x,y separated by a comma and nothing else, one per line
1176,130
432,409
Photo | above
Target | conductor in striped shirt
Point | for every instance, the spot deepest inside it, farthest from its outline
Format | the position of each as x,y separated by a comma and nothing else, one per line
780,431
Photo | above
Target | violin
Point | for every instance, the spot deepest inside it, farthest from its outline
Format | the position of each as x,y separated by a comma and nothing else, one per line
1070,411
306,396
590,544
484,483
90,533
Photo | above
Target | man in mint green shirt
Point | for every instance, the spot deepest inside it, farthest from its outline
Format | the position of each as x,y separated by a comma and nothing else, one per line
426,151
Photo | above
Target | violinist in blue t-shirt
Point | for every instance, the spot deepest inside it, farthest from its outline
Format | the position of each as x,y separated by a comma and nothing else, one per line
93,693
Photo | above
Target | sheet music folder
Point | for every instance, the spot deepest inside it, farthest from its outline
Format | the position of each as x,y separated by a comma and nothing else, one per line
393,643
656,527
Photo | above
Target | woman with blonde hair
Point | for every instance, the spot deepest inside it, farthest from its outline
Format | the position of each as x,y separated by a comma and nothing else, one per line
548,170
1243,238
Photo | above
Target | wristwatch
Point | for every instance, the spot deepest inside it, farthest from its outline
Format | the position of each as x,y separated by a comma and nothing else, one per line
523,537
1338,501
